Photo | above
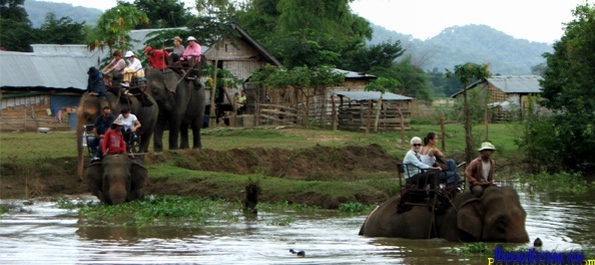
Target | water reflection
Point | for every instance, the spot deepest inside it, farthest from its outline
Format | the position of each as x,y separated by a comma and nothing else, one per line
44,234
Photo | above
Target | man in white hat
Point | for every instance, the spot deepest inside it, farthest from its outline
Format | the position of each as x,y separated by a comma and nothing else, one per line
113,140
134,68
480,171
193,50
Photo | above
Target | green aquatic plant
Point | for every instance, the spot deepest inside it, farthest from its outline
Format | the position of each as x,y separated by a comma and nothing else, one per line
559,182
155,210
481,249
4,208
285,221
355,207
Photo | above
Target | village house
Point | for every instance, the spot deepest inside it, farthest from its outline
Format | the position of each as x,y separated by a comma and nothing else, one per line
507,95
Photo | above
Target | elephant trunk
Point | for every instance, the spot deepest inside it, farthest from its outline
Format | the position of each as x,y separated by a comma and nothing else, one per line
117,194
79,141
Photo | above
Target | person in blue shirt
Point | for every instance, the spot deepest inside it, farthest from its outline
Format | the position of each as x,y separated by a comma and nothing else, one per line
102,123
412,164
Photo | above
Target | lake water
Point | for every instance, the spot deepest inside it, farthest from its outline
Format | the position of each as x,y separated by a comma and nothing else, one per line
44,234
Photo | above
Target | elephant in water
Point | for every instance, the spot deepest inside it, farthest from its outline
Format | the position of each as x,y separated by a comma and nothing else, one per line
117,179
495,217
90,108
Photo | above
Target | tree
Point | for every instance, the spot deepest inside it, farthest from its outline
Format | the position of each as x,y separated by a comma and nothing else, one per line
468,73
16,31
382,85
569,91
114,25
363,59
61,31
164,13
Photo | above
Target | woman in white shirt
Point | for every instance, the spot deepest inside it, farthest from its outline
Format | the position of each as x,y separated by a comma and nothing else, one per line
428,155
134,69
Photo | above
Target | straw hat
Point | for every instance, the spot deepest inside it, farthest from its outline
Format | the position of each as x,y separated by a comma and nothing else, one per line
486,146
117,122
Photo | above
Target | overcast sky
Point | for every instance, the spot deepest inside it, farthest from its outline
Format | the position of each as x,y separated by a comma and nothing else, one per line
534,20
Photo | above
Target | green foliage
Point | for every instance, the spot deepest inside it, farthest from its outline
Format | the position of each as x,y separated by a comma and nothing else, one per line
383,84
382,55
298,77
284,221
61,31
16,33
481,249
355,207
556,182
569,91
114,25
164,13
153,210
4,208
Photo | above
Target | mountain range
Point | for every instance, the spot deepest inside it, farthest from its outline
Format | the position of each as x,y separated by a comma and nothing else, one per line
454,45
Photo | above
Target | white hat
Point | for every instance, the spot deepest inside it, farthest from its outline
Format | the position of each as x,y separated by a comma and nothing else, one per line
118,122
128,54
487,146
191,38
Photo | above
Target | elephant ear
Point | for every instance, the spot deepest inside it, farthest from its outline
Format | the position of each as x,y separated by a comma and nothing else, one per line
469,219
139,174
170,80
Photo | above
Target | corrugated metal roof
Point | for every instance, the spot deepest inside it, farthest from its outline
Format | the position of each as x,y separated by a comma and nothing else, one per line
371,95
55,71
517,84
354,75
511,84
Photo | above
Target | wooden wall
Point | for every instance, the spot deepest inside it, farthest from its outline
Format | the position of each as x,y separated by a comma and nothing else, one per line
360,115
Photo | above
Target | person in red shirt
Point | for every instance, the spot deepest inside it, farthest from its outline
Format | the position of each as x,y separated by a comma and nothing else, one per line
113,140
157,58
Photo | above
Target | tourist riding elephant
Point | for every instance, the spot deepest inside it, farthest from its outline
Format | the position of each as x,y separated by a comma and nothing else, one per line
117,179
181,104
497,216
146,110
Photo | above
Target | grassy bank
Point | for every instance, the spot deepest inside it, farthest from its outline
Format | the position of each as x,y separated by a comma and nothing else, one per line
294,165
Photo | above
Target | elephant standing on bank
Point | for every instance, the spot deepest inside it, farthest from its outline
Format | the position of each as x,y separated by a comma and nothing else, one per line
90,108
117,179
181,104
497,216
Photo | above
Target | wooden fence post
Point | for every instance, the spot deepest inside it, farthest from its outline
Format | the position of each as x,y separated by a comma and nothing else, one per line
369,116
442,133
334,116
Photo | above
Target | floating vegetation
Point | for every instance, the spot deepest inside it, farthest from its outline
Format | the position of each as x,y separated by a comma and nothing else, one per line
355,207
155,210
4,208
559,182
481,249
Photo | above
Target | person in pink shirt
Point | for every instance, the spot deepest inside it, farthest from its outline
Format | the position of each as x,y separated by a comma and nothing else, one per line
193,50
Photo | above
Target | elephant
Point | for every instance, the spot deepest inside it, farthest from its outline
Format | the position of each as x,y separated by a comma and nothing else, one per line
117,179
90,108
470,219
180,109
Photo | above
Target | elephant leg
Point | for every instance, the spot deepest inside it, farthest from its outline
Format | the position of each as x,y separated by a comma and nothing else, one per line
174,133
158,137
196,125
184,136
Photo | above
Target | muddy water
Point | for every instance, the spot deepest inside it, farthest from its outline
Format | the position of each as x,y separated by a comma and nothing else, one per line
43,234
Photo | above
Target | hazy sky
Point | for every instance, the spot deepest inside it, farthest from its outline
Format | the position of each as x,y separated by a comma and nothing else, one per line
534,20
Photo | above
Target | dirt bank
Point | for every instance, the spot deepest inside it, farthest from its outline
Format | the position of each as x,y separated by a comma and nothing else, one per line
320,164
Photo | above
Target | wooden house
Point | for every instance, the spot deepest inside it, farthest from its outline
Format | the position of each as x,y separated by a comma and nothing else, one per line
506,94
357,110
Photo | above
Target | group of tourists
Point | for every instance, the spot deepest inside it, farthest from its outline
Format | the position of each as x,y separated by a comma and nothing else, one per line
112,133
425,161
158,58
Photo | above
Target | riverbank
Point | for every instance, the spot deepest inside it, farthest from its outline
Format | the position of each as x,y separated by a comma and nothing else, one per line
305,166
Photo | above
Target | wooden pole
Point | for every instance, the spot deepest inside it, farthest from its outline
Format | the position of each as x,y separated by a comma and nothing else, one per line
334,115
378,107
442,133
369,116
213,115
402,121
485,118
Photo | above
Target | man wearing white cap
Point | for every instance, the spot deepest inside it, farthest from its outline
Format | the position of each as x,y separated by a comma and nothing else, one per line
135,68
480,171
193,50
